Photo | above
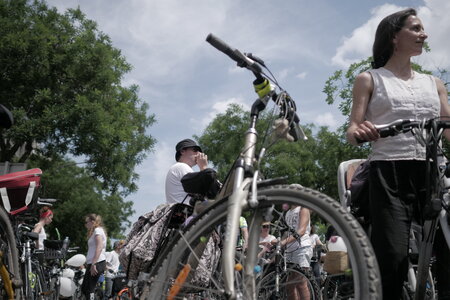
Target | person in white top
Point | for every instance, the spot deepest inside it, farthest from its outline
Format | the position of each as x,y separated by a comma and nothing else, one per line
389,91
45,218
95,258
266,240
298,252
315,261
112,267
188,154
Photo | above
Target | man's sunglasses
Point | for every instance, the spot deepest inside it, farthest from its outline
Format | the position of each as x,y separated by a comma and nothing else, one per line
193,149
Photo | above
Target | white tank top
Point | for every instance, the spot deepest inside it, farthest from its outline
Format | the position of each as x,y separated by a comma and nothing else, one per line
394,98
42,237
293,219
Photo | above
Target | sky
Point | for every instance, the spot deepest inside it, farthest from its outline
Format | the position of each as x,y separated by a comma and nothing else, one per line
186,81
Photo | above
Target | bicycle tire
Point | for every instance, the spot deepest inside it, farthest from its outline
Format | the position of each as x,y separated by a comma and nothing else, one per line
337,287
362,258
268,289
10,254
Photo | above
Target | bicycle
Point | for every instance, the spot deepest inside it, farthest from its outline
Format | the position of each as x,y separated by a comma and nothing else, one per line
346,171
183,262
437,207
279,277
31,272
9,263
10,281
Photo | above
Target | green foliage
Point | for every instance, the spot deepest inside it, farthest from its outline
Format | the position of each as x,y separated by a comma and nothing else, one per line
221,139
61,78
79,194
338,88
312,163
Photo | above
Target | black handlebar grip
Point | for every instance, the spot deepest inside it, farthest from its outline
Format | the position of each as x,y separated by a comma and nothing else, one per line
386,132
222,46
359,141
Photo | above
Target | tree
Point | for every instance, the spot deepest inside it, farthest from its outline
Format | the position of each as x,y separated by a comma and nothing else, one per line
312,163
79,194
61,78
339,86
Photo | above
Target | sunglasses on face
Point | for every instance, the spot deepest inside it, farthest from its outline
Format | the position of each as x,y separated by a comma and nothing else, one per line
193,149
266,226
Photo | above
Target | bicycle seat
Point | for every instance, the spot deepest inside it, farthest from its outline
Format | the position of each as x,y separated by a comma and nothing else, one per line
346,170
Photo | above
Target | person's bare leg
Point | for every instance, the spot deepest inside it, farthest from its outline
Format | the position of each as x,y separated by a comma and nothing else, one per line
291,286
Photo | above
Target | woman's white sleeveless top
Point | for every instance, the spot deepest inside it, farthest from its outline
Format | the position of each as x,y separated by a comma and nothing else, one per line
394,98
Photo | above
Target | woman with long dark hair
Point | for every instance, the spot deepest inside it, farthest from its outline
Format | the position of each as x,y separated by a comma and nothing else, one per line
393,90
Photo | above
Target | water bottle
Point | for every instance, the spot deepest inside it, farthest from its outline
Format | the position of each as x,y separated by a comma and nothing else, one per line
65,245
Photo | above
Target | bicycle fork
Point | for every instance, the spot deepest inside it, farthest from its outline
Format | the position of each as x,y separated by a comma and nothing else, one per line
235,204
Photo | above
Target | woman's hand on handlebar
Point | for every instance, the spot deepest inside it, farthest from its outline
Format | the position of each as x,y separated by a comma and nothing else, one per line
366,132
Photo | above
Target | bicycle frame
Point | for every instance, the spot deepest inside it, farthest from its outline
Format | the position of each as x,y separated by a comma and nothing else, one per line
236,202
243,177
429,133
434,196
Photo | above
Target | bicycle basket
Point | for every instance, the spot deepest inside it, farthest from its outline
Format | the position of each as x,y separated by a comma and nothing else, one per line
336,262
19,190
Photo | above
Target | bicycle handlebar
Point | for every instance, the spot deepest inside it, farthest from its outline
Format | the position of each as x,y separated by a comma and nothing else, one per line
405,125
252,63
242,60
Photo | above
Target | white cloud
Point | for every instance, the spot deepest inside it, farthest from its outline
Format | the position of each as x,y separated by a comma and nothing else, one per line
151,182
434,15
359,45
326,119
301,75
283,74
220,107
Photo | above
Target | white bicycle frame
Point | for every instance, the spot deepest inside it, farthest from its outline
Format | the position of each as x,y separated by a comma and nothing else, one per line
236,203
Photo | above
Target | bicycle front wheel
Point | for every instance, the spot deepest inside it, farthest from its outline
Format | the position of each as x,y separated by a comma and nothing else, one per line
288,284
189,269
10,262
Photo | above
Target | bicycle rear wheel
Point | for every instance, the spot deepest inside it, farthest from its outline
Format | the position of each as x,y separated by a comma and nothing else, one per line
191,260
10,256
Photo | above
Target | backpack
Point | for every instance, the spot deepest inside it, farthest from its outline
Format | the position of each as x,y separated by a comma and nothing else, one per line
147,234
359,193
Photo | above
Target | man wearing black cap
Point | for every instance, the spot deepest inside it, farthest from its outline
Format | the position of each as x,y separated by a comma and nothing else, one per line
188,154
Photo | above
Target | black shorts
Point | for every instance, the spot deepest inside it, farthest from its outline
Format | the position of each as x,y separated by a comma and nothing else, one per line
89,281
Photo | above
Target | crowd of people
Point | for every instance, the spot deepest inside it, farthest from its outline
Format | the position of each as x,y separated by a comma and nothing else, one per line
389,91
